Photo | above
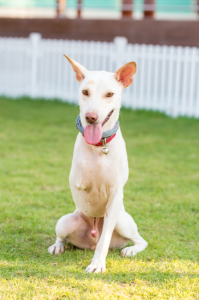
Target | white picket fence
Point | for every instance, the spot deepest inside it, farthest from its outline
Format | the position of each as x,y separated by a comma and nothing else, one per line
167,77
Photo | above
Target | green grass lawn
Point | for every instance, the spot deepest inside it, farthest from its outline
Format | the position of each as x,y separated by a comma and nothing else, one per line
162,194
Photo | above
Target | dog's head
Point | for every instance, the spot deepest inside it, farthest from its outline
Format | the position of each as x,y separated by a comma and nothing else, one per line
100,97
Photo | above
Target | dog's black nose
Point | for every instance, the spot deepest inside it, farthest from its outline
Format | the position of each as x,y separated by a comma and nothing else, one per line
91,117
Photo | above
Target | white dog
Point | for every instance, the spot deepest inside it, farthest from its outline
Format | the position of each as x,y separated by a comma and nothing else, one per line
99,171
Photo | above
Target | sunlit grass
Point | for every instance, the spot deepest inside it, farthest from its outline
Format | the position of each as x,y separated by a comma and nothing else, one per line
162,194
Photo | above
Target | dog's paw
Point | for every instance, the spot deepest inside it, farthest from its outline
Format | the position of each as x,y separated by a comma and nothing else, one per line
57,248
128,251
96,266
133,250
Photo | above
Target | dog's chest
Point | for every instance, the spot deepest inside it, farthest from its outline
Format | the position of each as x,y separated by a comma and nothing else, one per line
92,178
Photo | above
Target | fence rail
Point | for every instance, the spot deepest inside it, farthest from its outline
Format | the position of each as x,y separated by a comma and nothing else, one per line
167,79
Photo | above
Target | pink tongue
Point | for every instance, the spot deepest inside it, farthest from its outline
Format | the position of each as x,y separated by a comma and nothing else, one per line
93,133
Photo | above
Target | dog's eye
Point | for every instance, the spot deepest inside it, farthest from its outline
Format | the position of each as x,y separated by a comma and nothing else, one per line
85,92
109,95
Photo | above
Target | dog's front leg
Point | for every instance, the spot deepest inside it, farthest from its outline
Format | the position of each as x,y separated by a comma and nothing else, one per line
112,212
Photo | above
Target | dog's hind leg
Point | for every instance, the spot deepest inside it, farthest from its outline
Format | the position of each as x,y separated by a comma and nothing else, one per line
66,228
127,228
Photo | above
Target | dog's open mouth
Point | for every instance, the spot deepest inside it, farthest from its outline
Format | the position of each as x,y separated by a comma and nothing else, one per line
93,132
107,117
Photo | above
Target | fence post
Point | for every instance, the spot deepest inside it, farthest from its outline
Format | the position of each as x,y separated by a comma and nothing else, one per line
120,58
34,39
149,9
120,45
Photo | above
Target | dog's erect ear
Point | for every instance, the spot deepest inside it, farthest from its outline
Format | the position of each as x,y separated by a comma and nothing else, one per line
126,73
78,69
